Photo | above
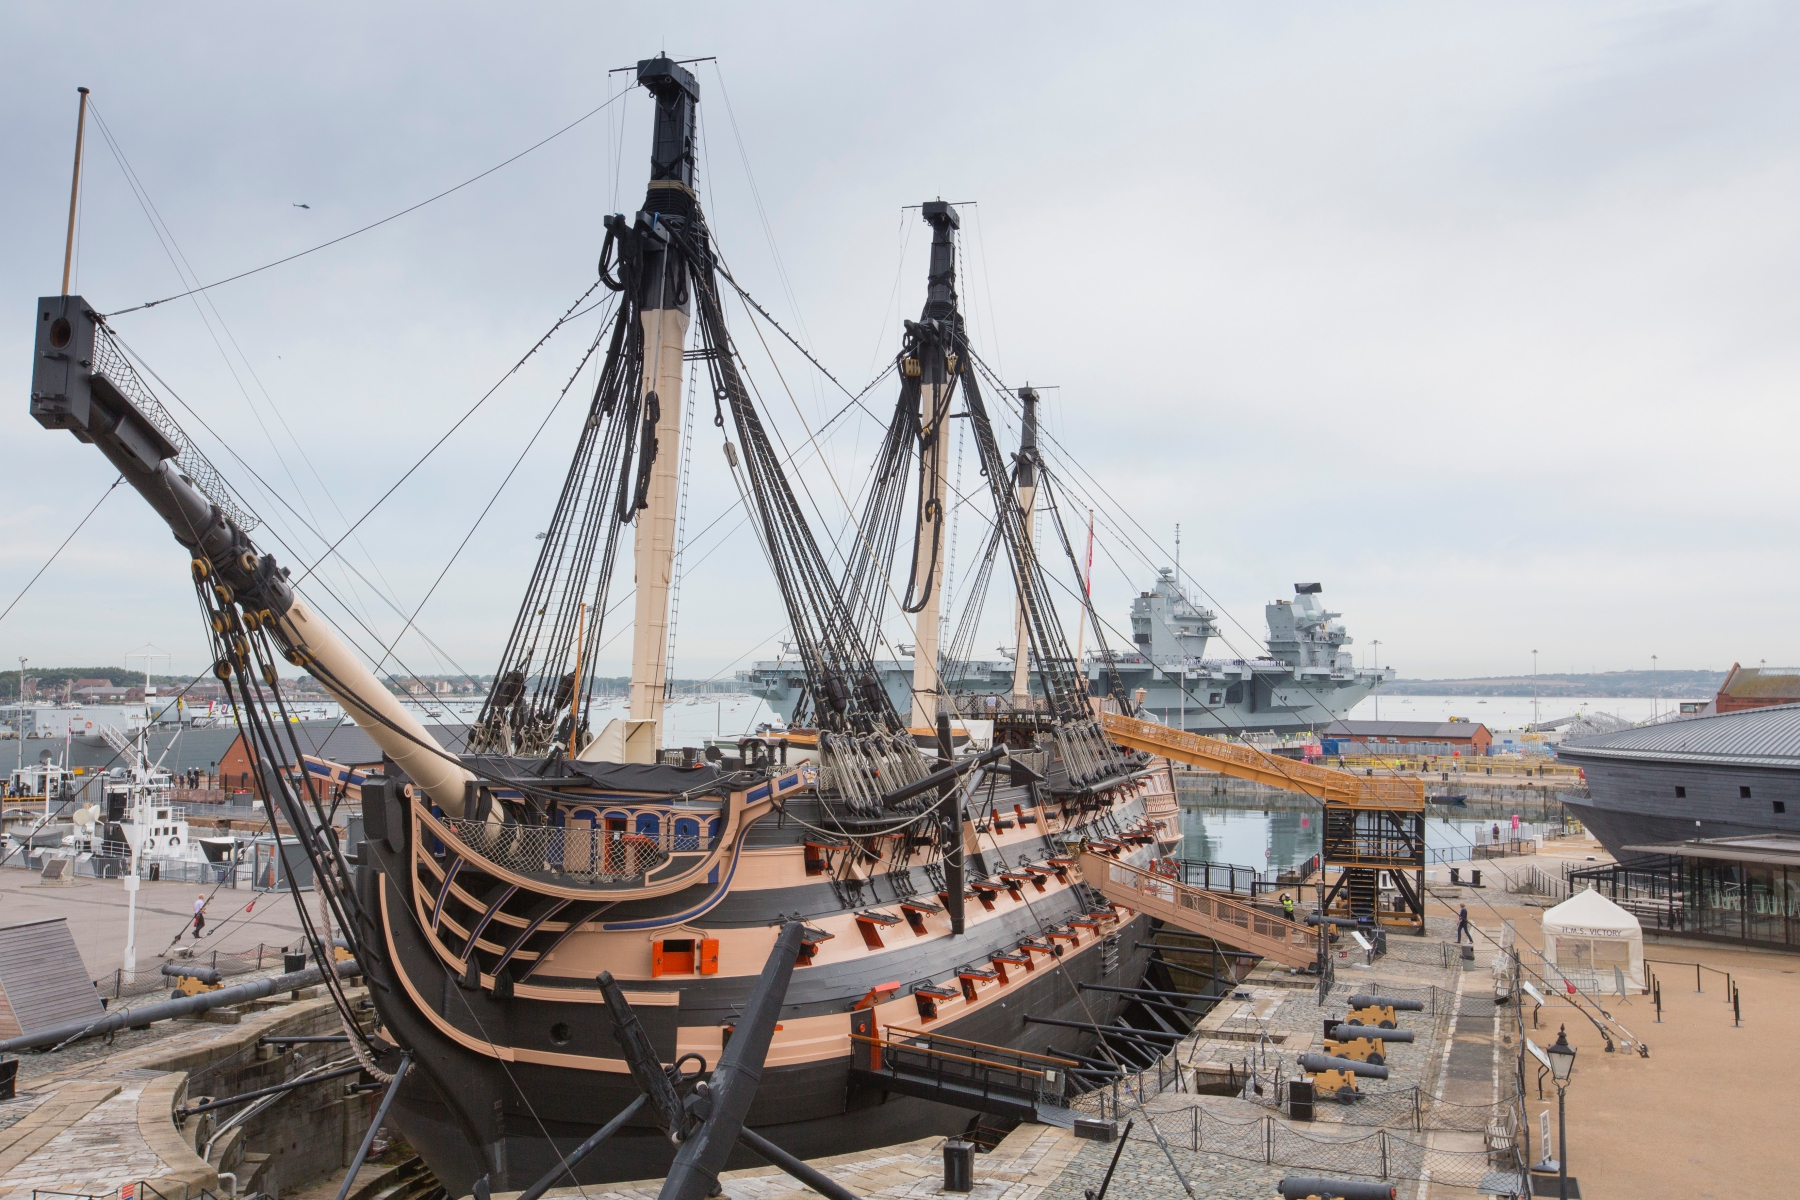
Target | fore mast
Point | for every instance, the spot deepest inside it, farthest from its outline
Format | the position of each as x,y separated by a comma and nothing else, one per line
664,307
935,363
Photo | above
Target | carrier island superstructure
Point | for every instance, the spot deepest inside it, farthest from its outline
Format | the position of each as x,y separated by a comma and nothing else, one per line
1307,679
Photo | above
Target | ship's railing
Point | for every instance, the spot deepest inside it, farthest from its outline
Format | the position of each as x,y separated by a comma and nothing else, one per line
582,853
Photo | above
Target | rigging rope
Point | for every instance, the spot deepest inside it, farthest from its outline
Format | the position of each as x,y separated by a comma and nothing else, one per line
376,224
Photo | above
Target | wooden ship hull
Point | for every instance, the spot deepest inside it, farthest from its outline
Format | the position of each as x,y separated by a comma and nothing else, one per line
528,1050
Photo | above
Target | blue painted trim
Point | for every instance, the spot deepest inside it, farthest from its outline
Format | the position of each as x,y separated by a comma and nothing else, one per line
437,909
527,932
481,925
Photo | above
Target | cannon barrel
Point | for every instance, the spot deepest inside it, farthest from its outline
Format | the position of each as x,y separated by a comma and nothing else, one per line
1361,1001
203,974
1299,1187
1325,1062
1344,1033
1339,922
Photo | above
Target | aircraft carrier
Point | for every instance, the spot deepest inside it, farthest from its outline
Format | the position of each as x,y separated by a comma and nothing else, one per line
1307,679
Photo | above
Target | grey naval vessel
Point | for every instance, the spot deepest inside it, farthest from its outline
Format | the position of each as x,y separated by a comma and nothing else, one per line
1307,680
941,895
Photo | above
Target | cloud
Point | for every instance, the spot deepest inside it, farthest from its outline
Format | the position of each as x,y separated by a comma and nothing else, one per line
1481,317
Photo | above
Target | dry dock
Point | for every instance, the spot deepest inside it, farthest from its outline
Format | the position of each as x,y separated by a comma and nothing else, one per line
1706,1113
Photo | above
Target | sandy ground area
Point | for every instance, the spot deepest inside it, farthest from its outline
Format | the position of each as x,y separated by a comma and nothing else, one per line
1710,1112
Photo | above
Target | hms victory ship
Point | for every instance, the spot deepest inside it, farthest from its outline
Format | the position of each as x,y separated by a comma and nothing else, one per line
940,893
1307,680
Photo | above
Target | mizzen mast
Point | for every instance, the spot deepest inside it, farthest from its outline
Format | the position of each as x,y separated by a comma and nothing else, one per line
1025,486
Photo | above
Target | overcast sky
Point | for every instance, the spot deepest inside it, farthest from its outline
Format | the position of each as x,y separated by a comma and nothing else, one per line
1482,316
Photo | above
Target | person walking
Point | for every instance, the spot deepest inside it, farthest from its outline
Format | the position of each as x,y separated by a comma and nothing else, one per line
200,915
1462,926
1287,905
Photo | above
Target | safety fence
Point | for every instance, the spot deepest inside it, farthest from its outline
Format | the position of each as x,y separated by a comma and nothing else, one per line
1535,881
168,870
1381,1154
123,985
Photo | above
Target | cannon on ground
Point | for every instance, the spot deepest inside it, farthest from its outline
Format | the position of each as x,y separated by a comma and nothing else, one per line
1379,1010
1303,1188
1361,1043
1333,1076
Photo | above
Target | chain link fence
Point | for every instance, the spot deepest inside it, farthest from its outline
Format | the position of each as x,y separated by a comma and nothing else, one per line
1382,1154
122,985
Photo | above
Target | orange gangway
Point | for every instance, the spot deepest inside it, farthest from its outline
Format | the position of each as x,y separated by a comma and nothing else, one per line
1197,910
1246,762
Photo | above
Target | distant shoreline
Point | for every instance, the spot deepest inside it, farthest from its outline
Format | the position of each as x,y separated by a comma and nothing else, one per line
1666,685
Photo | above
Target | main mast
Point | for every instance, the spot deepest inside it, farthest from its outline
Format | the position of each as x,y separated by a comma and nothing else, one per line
664,307
937,366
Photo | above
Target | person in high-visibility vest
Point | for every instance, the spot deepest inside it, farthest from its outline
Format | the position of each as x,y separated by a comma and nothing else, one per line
1287,905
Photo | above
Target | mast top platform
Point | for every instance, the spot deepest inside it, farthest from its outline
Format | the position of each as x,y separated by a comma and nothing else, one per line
665,77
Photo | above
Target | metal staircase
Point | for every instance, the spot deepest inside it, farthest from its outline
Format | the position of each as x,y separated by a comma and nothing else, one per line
1371,824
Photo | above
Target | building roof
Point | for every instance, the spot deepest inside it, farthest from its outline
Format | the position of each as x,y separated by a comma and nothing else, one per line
1772,849
1406,731
1588,912
1756,737
176,749
345,743
1762,683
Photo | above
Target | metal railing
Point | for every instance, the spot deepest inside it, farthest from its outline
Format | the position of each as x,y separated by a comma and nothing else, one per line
111,361
993,1071
1272,935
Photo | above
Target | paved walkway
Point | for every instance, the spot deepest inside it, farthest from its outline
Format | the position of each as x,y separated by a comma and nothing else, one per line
92,1117
1031,1160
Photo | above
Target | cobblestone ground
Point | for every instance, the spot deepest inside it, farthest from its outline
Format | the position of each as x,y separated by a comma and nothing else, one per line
1144,1174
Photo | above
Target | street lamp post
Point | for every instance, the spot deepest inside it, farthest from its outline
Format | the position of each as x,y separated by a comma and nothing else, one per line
1534,691
1562,1062
1377,645
19,721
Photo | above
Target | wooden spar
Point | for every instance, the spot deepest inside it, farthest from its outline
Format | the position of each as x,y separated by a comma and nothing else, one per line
74,190
575,692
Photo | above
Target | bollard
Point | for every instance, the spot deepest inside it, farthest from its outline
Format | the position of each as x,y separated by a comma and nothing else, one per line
1737,1014
959,1166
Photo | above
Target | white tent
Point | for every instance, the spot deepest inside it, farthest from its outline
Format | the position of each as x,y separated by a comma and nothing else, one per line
1587,935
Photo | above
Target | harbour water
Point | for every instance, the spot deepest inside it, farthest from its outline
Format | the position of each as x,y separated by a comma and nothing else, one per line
1278,838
